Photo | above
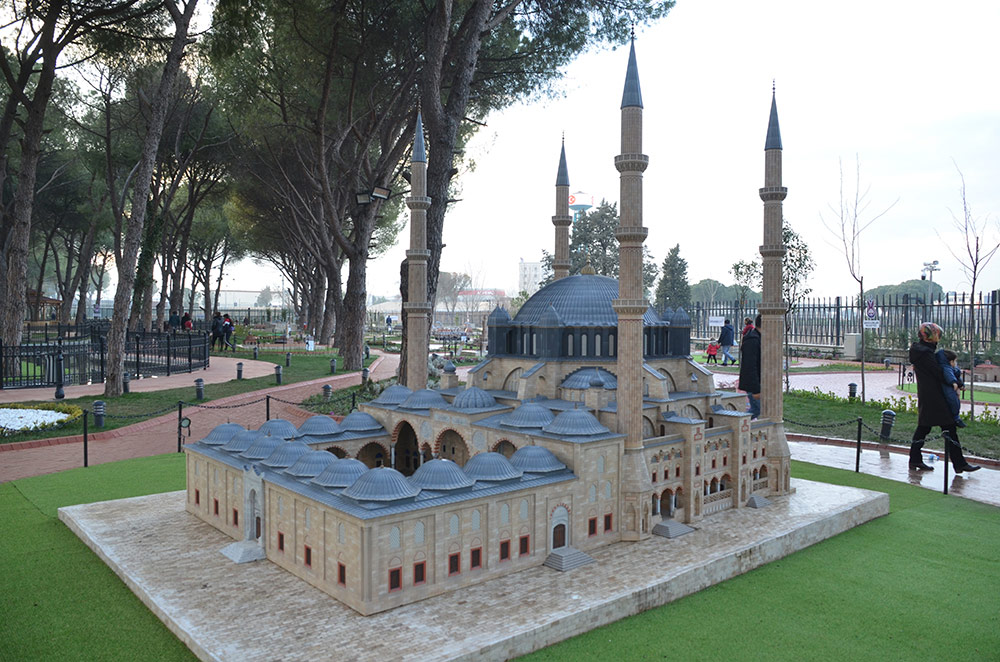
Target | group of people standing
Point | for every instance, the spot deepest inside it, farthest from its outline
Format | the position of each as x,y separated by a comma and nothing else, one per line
176,322
222,331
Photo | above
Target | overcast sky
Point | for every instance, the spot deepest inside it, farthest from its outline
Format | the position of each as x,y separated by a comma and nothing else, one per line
908,87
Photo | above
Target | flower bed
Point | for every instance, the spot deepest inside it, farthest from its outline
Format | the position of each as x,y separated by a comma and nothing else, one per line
16,418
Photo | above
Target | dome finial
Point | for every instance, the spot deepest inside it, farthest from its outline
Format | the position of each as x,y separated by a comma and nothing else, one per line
588,269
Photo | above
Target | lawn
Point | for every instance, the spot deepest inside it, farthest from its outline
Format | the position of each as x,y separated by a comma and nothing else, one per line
918,584
981,394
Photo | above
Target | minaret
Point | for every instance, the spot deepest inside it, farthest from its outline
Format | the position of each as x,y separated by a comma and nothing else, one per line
562,220
772,307
630,306
417,308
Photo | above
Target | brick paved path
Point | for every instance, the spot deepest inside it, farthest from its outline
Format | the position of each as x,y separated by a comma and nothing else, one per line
159,435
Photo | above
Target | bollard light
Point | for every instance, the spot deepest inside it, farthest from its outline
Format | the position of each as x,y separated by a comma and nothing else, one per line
852,390
125,380
60,393
199,389
364,376
887,362
288,359
255,350
888,418
99,406
239,370
333,366
277,373
327,392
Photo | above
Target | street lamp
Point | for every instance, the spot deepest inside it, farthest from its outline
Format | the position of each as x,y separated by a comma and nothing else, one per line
927,273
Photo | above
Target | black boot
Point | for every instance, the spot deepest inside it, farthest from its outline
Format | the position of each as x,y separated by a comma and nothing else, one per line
916,459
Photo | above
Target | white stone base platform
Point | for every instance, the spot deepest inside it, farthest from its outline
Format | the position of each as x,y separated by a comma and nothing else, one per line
256,611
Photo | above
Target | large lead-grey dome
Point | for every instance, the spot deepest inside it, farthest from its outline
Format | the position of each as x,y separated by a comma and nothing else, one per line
535,460
242,441
319,425
474,398
262,447
285,455
590,377
440,474
580,300
340,473
393,395
491,467
575,423
311,464
381,484
221,434
279,427
529,415
425,398
359,421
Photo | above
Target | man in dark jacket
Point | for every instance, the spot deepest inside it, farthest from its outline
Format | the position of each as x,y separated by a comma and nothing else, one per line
727,340
932,407
750,368
217,331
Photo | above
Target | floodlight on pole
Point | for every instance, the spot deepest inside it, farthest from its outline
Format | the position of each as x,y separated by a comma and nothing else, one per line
381,193
363,197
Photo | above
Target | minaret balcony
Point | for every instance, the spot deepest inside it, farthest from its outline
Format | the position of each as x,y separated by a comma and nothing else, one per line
418,255
632,234
562,221
417,306
772,251
418,202
773,193
631,162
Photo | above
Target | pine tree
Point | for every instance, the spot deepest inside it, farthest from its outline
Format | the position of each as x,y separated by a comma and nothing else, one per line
673,290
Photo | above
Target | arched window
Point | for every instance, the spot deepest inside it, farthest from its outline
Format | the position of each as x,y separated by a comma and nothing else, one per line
475,520
307,517
524,509
612,349
418,533
505,513
584,342
394,538
534,342
597,344
607,489
453,525
569,345
600,465
340,533
592,494
281,506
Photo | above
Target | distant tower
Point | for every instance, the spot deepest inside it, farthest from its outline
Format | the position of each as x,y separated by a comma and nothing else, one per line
580,202
417,308
630,307
772,307
562,220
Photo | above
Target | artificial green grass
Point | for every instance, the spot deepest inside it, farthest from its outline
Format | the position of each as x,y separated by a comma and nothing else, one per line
920,584
981,394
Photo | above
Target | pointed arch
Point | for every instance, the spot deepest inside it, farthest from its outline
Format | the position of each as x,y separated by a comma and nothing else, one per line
451,446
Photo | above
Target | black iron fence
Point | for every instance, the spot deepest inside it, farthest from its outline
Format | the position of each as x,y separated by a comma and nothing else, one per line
825,321
84,358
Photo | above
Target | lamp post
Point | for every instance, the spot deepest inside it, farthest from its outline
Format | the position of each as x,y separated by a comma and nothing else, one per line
927,273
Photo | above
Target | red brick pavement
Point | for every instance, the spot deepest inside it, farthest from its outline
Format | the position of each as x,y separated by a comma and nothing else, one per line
159,435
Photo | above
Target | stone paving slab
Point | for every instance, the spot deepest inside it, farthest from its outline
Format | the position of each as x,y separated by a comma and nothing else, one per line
257,611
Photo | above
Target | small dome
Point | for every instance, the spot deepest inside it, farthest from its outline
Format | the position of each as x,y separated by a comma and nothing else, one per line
311,464
279,427
681,318
381,484
575,422
242,441
425,398
474,398
394,395
536,460
668,314
285,454
340,473
359,421
499,314
490,466
262,447
529,415
550,319
440,474
319,425
221,434
590,377
449,367
651,318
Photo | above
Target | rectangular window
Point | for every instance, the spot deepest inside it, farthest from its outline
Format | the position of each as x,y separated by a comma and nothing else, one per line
755,453
697,470
197,497
525,545
215,507
504,550
763,451
395,579
281,541
607,522
744,458
592,526
236,517
476,558
342,574
454,563
677,471
654,476
419,573
713,462
725,460
307,556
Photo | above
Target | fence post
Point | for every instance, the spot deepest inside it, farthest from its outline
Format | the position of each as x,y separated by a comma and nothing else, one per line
60,394
189,352
267,407
168,354
180,427
138,374
2,367
85,460
857,459
354,400
836,324
100,350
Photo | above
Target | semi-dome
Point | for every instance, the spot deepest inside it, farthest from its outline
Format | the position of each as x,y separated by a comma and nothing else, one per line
579,300
535,460
279,427
424,398
381,484
529,415
575,423
340,473
590,377
491,467
285,454
359,421
242,441
262,447
319,425
474,398
221,434
393,395
311,464
440,474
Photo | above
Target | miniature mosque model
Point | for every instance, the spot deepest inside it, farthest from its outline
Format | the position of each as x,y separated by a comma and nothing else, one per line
587,424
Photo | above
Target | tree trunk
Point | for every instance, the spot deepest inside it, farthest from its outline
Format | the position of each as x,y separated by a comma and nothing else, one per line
861,321
351,323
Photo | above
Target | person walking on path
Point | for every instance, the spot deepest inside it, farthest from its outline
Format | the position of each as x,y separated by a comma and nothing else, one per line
227,333
932,407
727,339
750,368
217,336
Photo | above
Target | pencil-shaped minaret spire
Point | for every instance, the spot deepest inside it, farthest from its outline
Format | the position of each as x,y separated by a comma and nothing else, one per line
562,220
417,308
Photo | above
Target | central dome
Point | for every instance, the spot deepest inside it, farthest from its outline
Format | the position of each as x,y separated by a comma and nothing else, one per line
577,301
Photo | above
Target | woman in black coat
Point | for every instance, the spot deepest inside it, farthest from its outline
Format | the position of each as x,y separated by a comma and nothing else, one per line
932,407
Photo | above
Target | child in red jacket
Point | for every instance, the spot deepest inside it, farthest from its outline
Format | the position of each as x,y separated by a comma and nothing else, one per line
712,354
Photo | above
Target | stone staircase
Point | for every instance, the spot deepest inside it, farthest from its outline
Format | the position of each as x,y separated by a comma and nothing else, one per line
567,558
